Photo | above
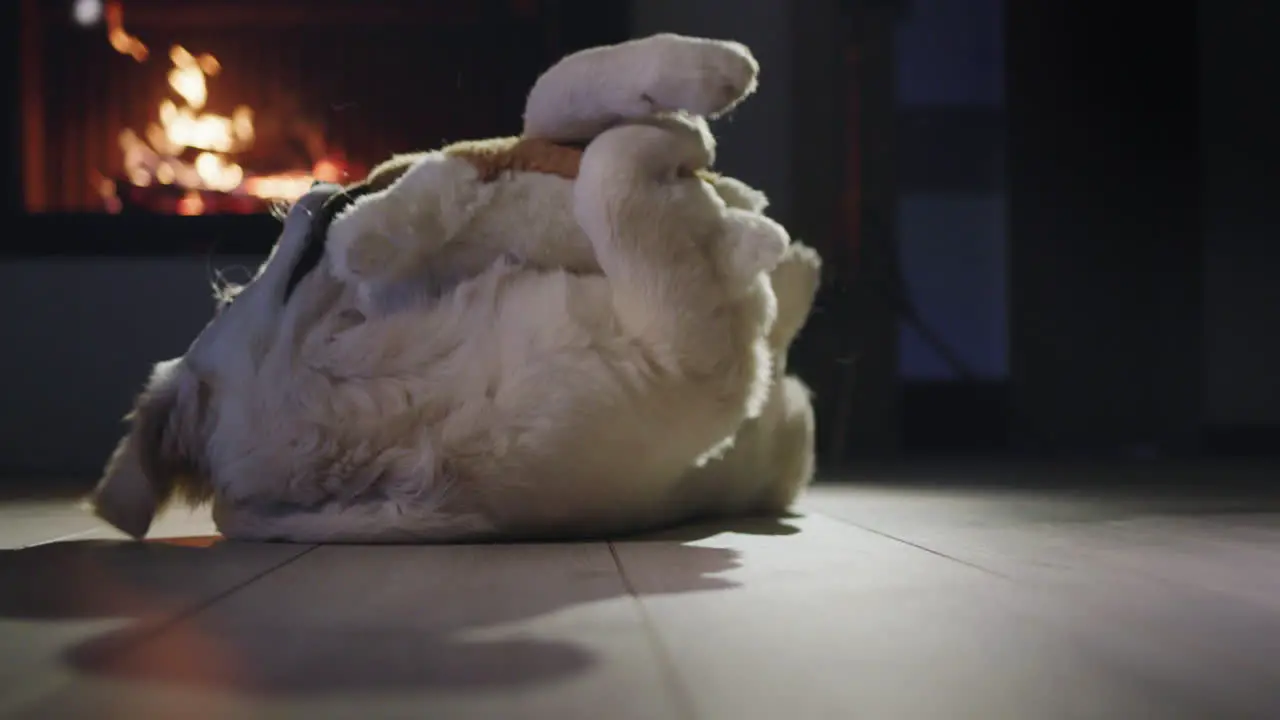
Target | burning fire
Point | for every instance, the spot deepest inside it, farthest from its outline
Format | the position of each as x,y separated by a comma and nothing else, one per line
157,157
120,39
183,126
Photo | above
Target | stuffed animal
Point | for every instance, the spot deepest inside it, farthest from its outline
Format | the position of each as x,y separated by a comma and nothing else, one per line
579,332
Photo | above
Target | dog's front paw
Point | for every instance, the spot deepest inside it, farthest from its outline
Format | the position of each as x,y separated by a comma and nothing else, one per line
797,274
697,75
363,248
758,243
361,257
795,282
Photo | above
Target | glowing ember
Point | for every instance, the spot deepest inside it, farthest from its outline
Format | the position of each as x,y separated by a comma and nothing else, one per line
183,127
282,186
191,204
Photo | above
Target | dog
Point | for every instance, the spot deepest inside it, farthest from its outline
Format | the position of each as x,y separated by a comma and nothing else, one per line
539,391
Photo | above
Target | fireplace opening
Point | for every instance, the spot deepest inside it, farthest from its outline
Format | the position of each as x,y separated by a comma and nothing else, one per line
230,107
191,161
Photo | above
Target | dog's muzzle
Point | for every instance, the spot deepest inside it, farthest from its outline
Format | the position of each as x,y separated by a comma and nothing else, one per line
339,199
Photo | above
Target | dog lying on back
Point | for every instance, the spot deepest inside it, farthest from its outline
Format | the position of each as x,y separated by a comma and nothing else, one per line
504,341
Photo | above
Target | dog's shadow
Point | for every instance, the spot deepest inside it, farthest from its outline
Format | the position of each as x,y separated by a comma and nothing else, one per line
361,619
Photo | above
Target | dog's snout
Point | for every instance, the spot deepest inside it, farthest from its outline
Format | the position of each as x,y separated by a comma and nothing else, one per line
337,200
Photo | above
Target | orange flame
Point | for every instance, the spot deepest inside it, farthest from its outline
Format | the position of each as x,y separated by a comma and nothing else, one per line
120,39
186,127
156,159
182,124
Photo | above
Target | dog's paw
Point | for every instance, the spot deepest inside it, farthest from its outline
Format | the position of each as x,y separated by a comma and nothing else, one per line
593,90
357,253
696,75
795,282
757,244
798,272
368,245
737,194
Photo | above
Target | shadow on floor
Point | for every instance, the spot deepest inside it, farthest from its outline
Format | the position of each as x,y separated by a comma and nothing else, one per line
366,619
693,532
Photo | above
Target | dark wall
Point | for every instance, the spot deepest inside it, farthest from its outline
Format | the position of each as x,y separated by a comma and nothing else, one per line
10,123
80,338
1240,118
1105,225
1143,180
951,214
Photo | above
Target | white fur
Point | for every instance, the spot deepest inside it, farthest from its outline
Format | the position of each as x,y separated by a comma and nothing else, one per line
587,355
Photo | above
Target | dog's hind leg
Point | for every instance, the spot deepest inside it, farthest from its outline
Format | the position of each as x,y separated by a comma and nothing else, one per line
775,451
679,262
590,91
772,457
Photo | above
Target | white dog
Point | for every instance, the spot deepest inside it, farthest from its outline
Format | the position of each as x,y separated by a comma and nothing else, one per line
623,371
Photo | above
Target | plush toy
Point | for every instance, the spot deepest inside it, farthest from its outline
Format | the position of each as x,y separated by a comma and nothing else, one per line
578,332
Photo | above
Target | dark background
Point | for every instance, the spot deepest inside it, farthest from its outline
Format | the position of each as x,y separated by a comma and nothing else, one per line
1073,196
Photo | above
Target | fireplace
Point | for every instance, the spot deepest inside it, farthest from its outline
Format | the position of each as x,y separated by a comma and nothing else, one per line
224,108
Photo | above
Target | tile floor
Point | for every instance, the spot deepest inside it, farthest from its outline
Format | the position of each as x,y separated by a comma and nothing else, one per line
894,598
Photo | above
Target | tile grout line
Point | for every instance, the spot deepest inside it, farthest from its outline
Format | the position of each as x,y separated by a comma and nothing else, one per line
60,538
146,633
149,634
671,678
917,546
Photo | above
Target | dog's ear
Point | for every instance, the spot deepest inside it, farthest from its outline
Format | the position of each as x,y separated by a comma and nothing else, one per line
159,458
